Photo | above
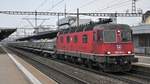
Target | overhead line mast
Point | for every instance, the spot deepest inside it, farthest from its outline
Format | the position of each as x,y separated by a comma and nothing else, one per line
134,6
35,18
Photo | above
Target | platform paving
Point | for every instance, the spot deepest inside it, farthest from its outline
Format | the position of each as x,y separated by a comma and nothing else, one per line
14,70
144,59
9,73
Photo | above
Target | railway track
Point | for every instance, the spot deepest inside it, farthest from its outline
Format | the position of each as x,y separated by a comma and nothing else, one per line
127,78
139,77
59,76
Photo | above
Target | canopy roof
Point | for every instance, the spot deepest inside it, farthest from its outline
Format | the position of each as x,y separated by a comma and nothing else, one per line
4,33
44,35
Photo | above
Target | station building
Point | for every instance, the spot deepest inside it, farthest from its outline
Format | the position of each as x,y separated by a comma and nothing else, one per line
141,38
141,35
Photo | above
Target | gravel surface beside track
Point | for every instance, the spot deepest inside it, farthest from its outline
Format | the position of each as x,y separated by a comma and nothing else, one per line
138,79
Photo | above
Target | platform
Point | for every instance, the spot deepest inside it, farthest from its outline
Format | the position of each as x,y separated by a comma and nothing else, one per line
14,70
143,61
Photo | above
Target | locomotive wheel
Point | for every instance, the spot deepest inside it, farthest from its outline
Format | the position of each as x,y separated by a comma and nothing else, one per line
77,60
89,63
45,54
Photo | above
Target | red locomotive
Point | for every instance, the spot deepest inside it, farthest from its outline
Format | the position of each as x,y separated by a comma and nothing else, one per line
108,46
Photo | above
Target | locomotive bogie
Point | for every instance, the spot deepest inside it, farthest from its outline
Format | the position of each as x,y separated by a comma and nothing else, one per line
106,63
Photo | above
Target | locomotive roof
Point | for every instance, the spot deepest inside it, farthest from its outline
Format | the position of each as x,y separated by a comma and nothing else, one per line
99,26
112,26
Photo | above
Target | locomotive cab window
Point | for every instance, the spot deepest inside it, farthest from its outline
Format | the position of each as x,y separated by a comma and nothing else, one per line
126,36
68,39
84,38
109,36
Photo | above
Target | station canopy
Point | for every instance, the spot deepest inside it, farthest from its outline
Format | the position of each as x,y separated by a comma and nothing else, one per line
141,29
44,35
4,33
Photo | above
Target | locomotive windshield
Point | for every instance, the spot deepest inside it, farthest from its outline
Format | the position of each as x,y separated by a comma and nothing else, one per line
126,36
109,36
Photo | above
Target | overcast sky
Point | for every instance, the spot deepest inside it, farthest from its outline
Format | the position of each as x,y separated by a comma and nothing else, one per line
71,5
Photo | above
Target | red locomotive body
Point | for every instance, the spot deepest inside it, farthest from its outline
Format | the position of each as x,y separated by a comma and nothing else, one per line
108,46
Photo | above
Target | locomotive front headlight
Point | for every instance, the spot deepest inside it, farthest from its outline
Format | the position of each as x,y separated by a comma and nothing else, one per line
129,52
118,31
108,53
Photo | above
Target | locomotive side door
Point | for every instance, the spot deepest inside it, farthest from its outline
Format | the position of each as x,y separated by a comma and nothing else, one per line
97,40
